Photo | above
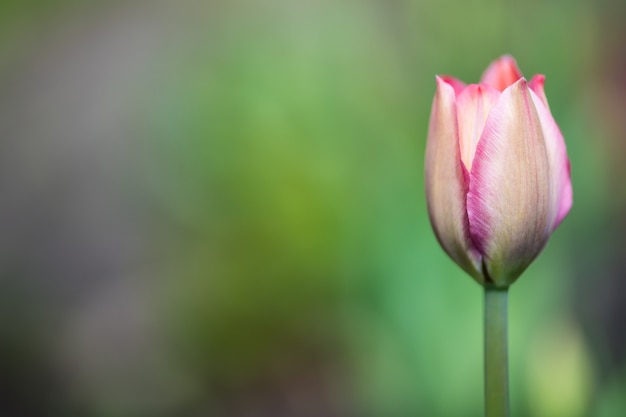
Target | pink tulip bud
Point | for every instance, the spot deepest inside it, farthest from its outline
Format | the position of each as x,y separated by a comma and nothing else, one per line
497,172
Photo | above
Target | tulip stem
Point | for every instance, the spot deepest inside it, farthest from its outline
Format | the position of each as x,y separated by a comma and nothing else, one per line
496,353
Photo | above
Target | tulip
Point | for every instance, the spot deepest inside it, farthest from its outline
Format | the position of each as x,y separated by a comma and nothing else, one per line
497,185
497,172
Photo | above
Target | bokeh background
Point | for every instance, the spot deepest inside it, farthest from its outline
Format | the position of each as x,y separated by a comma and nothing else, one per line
217,209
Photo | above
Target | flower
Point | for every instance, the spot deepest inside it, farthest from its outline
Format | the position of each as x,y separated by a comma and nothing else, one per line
497,172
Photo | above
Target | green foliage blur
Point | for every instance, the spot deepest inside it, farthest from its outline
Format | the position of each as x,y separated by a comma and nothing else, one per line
217,209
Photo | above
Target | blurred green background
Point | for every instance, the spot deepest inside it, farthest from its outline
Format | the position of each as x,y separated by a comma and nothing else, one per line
217,209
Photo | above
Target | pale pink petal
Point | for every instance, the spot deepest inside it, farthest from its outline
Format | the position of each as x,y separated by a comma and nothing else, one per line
501,73
457,84
509,192
536,84
473,107
446,182
559,162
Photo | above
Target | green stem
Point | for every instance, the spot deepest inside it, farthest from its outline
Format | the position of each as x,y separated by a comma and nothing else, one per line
496,355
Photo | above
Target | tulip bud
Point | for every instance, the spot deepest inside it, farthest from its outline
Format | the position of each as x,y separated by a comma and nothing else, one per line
497,172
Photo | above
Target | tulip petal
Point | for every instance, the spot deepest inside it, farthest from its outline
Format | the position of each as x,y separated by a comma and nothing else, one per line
536,85
473,107
508,201
457,84
446,182
557,157
501,73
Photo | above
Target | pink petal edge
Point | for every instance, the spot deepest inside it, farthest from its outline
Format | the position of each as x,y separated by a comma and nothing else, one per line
501,73
457,84
559,161
536,85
